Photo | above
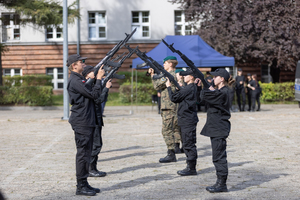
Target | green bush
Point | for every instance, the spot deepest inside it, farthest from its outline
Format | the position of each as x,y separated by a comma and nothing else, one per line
272,92
26,95
143,94
27,80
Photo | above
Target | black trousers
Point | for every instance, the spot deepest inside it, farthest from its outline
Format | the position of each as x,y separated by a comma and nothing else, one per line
249,98
84,143
239,93
255,97
188,139
219,156
97,144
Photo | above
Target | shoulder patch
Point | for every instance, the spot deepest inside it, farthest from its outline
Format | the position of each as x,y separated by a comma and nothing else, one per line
163,79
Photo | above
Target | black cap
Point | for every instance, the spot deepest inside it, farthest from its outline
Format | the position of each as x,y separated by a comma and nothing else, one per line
221,72
187,72
248,74
87,70
240,69
74,58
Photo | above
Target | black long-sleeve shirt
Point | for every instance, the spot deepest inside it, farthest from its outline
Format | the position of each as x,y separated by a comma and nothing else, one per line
82,101
186,97
218,114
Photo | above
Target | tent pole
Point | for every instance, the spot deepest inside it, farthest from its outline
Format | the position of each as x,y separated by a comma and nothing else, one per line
136,98
131,96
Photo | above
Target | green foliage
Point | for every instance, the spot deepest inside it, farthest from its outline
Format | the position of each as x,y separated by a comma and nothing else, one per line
27,80
139,75
42,12
28,95
143,94
272,92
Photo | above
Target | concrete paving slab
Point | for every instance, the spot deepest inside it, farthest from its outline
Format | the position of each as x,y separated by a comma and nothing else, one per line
37,156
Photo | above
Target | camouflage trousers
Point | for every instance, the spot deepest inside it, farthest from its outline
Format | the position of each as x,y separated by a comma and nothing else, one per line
170,129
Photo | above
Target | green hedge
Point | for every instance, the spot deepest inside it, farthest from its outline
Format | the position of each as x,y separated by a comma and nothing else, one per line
32,90
272,92
26,95
143,94
28,80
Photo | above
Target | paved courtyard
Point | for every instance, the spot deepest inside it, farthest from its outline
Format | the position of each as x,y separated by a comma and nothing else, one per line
37,156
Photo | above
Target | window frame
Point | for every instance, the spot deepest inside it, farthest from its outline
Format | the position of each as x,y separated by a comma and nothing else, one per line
11,26
55,80
97,25
141,25
12,72
54,33
183,24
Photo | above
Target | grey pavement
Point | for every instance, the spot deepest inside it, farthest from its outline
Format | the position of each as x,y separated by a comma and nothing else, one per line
37,156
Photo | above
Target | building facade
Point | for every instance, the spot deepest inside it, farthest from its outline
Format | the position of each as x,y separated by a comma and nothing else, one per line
35,50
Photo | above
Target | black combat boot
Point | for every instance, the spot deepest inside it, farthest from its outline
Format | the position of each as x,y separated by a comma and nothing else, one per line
83,189
169,158
243,108
189,170
93,171
219,186
177,149
97,190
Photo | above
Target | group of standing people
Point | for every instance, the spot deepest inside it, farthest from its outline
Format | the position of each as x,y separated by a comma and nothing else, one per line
179,119
178,111
249,87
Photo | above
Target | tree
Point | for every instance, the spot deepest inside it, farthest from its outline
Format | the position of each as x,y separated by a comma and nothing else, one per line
37,12
249,30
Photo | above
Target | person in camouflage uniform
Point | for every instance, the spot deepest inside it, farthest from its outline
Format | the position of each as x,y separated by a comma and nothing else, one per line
170,128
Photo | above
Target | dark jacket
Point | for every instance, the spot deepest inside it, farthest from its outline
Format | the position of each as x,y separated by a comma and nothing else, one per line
82,101
102,97
218,114
186,97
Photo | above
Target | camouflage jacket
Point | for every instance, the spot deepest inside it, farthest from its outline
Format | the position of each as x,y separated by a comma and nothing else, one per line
160,84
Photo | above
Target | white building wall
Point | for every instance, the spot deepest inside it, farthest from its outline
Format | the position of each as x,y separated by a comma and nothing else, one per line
119,17
118,14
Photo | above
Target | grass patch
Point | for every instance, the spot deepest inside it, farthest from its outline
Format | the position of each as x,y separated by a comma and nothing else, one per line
58,100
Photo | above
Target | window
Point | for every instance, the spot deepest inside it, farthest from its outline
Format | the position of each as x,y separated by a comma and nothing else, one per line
97,25
141,21
182,27
54,33
12,72
57,77
10,27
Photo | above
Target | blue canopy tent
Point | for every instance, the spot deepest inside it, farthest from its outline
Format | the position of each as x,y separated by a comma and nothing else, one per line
193,47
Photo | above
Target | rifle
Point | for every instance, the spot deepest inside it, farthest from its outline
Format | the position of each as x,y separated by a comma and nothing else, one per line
190,63
110,75
106,60
154,65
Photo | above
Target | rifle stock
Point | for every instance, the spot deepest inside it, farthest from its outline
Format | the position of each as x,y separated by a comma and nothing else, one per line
190,63
109,55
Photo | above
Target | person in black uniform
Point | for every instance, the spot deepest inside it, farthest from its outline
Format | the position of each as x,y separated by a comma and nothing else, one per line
187,119
249,78
255,93
88,72
217,126
82,120
240,89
